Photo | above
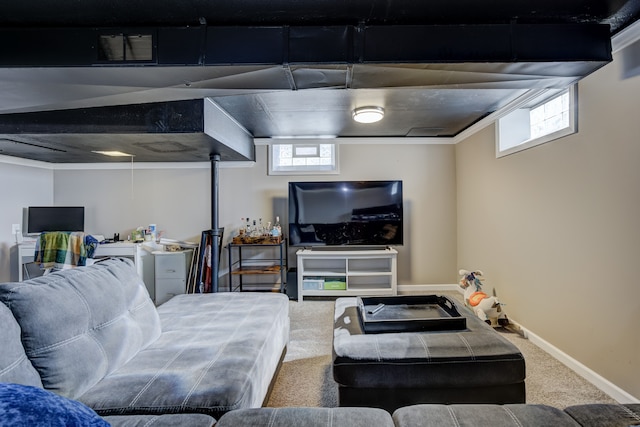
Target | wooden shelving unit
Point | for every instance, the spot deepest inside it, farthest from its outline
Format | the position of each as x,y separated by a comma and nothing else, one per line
257,259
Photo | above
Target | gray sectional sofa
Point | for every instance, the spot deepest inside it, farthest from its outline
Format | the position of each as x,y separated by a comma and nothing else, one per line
93,335
434,415
87,347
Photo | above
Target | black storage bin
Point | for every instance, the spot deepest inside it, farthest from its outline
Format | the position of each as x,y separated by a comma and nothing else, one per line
292,283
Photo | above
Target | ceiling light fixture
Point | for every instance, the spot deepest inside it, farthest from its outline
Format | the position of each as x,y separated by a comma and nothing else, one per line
368,114
113,153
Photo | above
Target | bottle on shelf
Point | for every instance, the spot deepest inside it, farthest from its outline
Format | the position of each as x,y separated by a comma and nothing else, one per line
242,229
276,231
278,226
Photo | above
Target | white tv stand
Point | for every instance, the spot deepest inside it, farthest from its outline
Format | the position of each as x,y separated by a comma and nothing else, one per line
369,272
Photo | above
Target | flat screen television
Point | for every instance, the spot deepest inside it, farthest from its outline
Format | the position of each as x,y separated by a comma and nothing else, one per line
54,218
345,213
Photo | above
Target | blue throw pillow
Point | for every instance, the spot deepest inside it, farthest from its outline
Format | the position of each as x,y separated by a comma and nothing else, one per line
22,405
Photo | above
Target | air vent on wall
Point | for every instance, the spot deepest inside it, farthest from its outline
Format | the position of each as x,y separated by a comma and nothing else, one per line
123,47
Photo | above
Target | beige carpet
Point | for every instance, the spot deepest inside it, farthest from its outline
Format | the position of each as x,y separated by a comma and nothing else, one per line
305,379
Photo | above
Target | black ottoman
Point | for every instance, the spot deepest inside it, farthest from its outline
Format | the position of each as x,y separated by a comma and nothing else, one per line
474,365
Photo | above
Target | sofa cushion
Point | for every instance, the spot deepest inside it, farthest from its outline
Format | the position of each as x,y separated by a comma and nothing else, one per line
79,325
217,352
308,417
516,415
166,420
22,405
30,406
15,367
606,415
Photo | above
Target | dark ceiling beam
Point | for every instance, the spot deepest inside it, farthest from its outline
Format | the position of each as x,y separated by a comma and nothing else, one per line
208,45
98,13
220,126
198,127
161,117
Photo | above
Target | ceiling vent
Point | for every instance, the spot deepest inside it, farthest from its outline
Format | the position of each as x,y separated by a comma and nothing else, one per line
123,47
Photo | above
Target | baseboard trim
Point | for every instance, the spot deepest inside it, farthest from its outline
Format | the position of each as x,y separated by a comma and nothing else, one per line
615,392
428,288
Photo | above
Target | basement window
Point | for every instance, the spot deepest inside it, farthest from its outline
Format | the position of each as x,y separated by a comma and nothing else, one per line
303,158
547,117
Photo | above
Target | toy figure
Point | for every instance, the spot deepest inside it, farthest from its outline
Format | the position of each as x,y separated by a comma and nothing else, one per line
486,307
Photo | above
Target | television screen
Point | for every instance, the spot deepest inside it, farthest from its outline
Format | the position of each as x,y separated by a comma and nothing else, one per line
336,213
55,218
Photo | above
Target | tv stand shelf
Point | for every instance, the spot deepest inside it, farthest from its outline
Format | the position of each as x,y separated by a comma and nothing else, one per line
346,272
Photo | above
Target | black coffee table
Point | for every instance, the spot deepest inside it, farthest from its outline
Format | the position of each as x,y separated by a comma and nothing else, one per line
394,369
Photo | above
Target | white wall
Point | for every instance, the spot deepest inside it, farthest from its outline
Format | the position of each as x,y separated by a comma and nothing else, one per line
120,200
178,199
23,185
556,229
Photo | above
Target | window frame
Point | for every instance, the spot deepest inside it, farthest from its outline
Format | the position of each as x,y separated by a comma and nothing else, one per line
530,143
332,169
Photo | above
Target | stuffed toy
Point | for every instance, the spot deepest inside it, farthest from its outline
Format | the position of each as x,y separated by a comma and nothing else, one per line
486,307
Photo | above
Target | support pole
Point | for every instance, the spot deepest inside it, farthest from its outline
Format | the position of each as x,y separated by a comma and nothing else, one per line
215,229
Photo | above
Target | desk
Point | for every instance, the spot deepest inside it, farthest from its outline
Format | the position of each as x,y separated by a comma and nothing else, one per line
26,252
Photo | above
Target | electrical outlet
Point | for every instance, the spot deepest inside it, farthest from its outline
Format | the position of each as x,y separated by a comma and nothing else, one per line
15,229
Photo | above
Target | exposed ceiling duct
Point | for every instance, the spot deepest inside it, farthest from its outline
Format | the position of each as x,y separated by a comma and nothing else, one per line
74,79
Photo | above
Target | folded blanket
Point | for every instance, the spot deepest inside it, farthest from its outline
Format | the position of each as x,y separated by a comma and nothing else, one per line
60,249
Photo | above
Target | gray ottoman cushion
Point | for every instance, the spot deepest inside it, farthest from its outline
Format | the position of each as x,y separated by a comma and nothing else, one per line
80,325
517,415
605,415
14,365
308,417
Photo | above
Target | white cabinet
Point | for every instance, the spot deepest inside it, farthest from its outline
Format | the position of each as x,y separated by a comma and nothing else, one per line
170,274
368,272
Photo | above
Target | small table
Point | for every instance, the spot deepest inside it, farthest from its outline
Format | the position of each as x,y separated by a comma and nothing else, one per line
263,262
